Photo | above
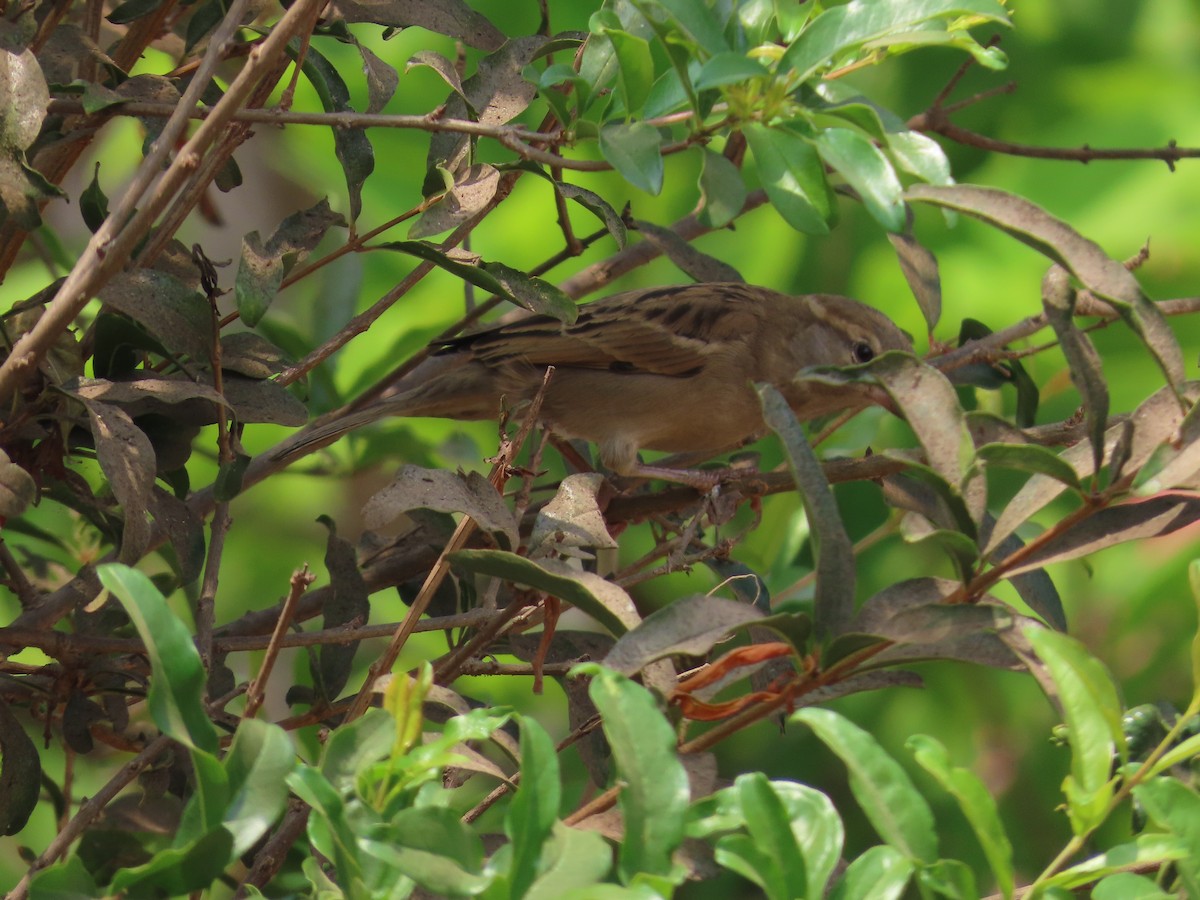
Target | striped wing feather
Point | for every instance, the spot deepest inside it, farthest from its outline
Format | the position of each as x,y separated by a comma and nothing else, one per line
669,331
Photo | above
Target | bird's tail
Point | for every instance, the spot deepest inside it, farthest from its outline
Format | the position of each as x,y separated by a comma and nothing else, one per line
454,389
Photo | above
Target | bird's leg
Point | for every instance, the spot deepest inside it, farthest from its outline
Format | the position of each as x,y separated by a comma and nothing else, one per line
703,480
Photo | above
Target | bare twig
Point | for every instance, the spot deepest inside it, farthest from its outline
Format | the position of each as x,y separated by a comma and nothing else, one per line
206,601
515,779
1171,154
26,593
364,320
298,585
271,857
73,647
151,189
936,120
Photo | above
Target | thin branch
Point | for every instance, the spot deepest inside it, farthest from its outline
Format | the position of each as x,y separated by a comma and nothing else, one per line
519,140
364,320
271,857
75,647
606,271
491,667
339,120
515,779
298,584
1171,154
113,243
26,593
518,613
206,601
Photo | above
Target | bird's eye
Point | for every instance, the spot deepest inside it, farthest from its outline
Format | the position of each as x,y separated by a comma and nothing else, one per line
863,352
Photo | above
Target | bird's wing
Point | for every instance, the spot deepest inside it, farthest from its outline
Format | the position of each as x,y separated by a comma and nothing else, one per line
666,331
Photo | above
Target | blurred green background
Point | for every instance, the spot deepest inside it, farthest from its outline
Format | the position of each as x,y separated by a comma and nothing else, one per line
1109,74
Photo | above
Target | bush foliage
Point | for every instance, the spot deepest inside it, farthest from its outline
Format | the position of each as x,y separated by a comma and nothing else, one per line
152,393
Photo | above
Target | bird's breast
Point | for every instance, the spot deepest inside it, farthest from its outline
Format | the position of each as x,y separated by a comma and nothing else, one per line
653,412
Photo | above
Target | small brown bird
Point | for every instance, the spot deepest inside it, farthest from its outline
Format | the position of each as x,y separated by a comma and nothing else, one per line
662,369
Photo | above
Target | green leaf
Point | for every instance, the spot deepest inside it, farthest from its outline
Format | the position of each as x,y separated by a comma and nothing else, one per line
131,10
572,858
433,847
792,175
228,483
795,835
868,171
690,625
818,830
20,773
258,762
728,68
1107,278
93,204
1092,709
177,871
1117,524
654,785
722,190
1175,807
1144,850
635,150
920,155
635,68
669,94
835,554
206,808
597,206
176,695
328,820
351,748
1127,886
697,21
351,145
881,787
1183,752
534,809
948,878
976,803
534,294
525,291
769,826
1030,458
881,873
69,880
844,28
1194,584
741,854
1083,360
600,599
